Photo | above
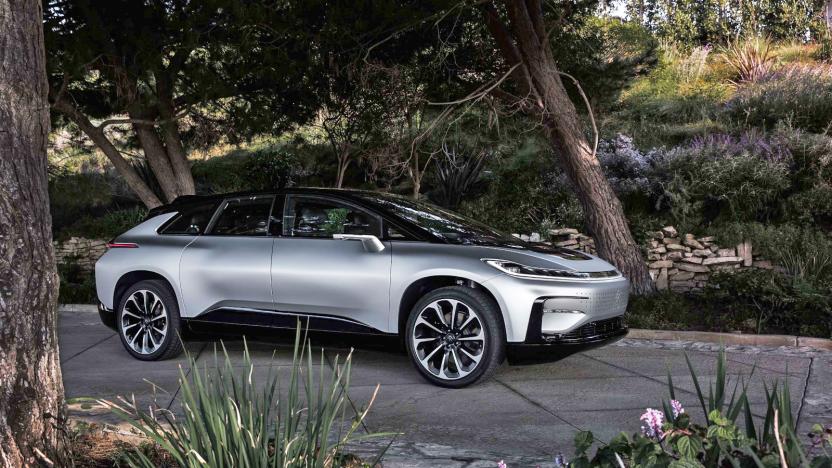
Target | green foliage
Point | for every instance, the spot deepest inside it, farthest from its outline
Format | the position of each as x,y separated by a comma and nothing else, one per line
699,22
750,59
76,285
271,169
677,441
526,193
72,196
106,226
720,178
605,55
677,100
800,95
773,301
232,421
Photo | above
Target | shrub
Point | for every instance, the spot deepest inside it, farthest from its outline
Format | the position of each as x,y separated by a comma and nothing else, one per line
670,437
724,177
111,224
271,168
750,59
798,94
231,421
773,301
76,285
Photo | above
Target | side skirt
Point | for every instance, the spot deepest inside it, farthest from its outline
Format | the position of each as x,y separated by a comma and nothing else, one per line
216,319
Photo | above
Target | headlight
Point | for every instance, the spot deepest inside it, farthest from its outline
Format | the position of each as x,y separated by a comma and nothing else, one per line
524,271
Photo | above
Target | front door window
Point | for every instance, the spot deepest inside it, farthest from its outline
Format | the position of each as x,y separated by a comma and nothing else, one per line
320,217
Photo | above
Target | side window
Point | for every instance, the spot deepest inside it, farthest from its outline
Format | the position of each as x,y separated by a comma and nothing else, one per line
395,234
191,220
317,217
247,216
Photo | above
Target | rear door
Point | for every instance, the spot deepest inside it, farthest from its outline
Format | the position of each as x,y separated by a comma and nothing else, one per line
337,281
229,267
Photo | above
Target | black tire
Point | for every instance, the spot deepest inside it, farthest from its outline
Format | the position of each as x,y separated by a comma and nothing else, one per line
493,349
171,345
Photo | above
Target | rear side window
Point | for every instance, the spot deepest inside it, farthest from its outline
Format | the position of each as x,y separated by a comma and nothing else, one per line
244,217
192,220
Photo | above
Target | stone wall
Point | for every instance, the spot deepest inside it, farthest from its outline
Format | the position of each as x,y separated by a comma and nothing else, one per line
679,262
81,251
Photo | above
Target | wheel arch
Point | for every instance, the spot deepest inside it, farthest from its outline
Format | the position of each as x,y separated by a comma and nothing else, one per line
418,288
132,277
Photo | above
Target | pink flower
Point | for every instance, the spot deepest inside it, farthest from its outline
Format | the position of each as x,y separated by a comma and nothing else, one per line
502,464
676,406
653,420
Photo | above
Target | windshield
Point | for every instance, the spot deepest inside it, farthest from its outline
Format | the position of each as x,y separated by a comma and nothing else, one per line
452,227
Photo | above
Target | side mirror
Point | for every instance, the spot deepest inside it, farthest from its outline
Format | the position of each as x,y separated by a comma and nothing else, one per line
369,241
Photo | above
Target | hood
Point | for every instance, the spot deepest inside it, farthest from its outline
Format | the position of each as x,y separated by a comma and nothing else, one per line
546,256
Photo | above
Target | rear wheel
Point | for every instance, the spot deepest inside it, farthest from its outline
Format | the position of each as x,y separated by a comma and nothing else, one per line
455,336
148,321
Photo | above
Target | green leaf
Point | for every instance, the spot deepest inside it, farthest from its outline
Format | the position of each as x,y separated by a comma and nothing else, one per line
688,447
583,441
686,463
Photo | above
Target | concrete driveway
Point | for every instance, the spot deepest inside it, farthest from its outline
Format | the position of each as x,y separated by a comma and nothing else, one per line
526,415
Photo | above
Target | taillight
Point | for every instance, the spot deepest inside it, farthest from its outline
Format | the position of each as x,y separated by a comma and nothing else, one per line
122,245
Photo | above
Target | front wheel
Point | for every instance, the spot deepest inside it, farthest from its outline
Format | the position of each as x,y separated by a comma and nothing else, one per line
455,336
148,321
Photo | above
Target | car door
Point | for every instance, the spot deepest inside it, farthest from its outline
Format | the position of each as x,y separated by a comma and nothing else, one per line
340,281
228,269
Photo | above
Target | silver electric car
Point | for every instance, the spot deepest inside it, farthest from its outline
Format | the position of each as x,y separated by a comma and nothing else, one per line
460,294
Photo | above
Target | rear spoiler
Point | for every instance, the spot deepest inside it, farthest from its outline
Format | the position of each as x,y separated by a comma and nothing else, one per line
177,204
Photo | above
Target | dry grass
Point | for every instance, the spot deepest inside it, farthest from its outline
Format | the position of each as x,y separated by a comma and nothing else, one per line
97,446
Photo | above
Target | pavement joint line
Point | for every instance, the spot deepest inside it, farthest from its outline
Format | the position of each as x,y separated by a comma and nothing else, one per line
755,365
537,404
803,394
87,349
675,387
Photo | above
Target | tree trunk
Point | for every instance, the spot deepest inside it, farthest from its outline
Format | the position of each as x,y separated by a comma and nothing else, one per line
157,157
123,167
173,140
30,373
604,213
343,163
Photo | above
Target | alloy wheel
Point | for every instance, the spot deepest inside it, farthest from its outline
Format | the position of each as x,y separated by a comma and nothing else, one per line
448,339
144,322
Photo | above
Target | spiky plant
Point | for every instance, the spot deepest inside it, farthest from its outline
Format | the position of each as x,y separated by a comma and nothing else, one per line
230,420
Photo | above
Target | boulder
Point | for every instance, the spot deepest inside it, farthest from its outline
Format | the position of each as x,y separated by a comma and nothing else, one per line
744,251
693,267
669,231
721,260
675,255
692,243
696,260
661,281
726,252
661,264
562,231
683,276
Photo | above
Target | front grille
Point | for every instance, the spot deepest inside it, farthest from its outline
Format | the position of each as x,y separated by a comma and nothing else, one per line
592,330
609,301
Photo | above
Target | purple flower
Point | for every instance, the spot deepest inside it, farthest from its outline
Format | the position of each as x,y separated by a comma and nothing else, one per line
676,406
653,420
560,460
502,464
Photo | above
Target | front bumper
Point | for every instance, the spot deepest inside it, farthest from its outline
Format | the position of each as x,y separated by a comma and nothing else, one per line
548,348
107,316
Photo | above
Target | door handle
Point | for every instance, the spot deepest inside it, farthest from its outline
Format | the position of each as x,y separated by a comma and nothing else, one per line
369,241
